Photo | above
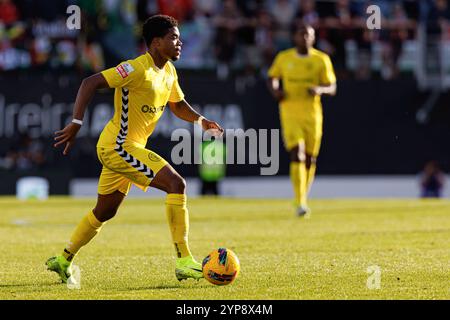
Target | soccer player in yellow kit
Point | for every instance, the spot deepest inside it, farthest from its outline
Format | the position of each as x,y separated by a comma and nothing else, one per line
143,87
306,74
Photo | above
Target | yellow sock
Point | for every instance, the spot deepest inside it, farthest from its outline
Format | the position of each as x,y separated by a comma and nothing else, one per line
178,218
87,229
298,178
310,174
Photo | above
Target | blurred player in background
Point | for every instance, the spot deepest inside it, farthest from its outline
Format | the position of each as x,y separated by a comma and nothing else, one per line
143,87
212,170
298,78
432,180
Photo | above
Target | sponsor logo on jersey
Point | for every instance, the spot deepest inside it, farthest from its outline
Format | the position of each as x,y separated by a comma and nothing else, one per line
151,109
128,68
124,69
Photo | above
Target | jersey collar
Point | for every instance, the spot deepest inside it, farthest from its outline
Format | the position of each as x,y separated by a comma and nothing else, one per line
152,62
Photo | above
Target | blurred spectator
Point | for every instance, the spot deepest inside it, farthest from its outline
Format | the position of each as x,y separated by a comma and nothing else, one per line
8,161
412,9
398,27
179,9
364,39
438,17
12,30
207,7
65,54
48,10
8,12
337,28
40,50
145,9
227,23
91,56
307,13
384,5
212,168
249,57
264,38
26,154
283,12
229,35
120,18
196,36
91,13
432,181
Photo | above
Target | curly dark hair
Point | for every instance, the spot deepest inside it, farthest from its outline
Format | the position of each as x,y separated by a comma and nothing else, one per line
157,26
300,25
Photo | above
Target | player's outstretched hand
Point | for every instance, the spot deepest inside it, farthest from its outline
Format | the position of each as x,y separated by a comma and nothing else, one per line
314,91
279,95
67,136
213,127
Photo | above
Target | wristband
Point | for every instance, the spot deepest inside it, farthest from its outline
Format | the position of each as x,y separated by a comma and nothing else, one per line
199,120
77,122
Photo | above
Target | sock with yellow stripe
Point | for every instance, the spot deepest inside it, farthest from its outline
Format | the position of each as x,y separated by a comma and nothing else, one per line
311,171
178,218
298,178
87,229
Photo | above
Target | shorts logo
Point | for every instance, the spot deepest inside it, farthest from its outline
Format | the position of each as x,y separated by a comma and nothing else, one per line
124,69
153,157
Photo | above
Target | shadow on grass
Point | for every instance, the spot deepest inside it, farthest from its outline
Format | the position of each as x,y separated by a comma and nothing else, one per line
36,285
167,287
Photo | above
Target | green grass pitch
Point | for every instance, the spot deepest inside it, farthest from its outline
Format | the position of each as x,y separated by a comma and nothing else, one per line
282,257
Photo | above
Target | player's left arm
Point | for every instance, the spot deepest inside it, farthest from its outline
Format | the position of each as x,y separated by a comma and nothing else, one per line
329,89
327,79
184,111
179,106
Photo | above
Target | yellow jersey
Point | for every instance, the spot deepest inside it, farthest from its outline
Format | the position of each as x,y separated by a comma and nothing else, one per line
142,91
298,73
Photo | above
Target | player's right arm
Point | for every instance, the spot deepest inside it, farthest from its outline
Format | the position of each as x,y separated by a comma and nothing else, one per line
127,74
275,89
274,82
85,93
